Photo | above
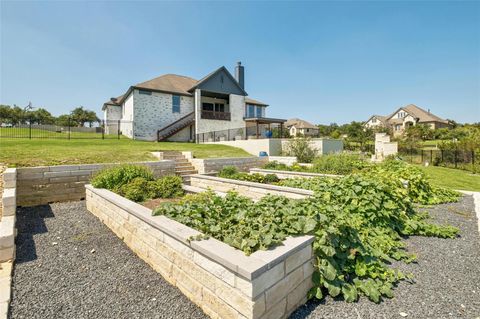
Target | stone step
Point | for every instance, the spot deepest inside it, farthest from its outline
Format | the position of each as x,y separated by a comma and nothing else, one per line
185,172
179,165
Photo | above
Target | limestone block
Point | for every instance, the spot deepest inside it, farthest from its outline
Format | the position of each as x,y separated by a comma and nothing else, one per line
297,259
214,268
282,288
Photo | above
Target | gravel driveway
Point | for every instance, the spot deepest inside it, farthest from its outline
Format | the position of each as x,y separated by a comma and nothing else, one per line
69,265
447,276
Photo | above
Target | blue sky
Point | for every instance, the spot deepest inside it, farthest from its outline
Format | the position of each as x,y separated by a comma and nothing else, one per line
321,61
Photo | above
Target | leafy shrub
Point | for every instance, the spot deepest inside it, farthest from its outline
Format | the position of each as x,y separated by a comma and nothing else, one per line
166,187
270,179
341,164
115,177
227,171
295,167
136,189
357,222
300,148
231,172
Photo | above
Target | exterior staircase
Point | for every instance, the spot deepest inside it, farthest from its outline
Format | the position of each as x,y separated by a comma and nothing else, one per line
178,125
182,166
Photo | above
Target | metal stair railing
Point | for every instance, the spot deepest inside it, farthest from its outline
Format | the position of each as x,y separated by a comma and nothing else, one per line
178,124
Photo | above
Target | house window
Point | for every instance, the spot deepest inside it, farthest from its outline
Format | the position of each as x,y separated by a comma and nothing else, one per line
250,110
397,127
219,107
175,103
207,106
401,115
144,92
259,112
374,120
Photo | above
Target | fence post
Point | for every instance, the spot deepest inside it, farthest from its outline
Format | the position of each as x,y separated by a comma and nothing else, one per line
422,156
30,128
68,125
431,157
118,129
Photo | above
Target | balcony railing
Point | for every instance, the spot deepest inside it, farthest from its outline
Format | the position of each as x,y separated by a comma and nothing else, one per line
211,115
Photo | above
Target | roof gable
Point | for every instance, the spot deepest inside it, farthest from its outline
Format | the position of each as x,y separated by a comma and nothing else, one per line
219,81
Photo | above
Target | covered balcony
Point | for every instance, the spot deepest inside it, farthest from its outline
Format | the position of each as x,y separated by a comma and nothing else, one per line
215,106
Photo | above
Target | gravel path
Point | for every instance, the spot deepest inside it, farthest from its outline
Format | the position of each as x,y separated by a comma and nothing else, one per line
446,275
58,275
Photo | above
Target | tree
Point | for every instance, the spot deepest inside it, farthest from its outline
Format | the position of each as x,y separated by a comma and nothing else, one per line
80,116
4,113
41,116
63,120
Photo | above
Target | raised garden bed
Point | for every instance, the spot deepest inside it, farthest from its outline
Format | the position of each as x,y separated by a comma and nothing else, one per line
250,189
290,174
222,280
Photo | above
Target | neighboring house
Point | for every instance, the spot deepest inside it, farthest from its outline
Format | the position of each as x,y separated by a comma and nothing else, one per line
405,117
298,127
179,108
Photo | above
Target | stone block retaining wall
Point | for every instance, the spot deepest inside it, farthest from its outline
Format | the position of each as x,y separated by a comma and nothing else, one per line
287,160
249,189
209,165
7,221
220,279
290,174
7,237
46,184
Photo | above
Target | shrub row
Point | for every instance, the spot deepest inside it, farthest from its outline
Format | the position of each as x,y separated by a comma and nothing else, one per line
137,183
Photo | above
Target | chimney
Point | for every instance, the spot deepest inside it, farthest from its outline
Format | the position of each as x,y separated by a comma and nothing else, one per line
240,74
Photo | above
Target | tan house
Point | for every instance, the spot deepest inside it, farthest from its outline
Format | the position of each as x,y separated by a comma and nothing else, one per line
298,127
405,117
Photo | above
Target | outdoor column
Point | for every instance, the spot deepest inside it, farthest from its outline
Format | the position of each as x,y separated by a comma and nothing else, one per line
281,130
197,109
257,129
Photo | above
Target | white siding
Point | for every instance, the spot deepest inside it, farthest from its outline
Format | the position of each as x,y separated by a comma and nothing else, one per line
126,125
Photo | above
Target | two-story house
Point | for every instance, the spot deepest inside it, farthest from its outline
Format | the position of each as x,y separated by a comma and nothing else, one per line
179,108
405,117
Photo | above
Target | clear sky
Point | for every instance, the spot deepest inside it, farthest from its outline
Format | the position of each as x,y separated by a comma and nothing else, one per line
321,61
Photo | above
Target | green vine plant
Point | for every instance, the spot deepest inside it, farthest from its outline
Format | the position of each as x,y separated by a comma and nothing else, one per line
358,223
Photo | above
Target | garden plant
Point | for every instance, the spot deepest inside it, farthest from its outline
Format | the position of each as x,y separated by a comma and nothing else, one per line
358,222
137,183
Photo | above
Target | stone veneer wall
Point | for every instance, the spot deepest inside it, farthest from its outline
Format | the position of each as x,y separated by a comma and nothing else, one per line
249,189
290,174
46,184
153,112
209,165
218,278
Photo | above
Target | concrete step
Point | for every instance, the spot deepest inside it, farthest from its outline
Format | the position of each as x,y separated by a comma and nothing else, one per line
184,165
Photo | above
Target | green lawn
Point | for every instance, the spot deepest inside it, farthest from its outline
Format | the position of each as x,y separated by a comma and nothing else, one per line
38,152
452,178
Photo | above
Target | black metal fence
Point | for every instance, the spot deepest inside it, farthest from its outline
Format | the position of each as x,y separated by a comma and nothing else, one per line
465,159
105,130
243,133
